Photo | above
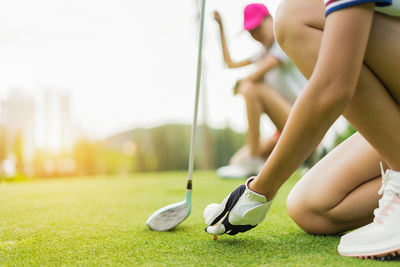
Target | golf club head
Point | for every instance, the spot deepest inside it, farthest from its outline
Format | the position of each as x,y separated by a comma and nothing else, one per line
169,216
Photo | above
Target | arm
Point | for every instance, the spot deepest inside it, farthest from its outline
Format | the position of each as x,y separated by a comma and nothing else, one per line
325,97
227,58
266,64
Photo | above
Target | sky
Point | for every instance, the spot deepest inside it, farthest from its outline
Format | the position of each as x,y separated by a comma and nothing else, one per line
126,63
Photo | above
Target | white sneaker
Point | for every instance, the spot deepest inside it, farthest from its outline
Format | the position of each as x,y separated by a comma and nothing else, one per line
381,238
248,167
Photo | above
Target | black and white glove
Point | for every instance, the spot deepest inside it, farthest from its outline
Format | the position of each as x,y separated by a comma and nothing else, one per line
240,211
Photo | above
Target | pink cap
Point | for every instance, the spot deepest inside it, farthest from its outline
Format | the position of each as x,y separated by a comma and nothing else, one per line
254,14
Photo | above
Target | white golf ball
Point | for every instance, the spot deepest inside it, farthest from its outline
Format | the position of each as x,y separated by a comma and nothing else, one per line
210,209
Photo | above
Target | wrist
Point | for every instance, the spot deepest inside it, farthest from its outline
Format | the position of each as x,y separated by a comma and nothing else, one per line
255,186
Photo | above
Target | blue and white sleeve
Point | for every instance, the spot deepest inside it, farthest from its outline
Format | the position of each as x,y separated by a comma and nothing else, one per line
333,5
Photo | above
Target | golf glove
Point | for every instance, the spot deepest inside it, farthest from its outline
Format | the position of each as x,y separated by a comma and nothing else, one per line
240,211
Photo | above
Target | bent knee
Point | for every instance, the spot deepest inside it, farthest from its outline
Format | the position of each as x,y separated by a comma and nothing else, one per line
300,211
285,25
308,215
249,90
292,19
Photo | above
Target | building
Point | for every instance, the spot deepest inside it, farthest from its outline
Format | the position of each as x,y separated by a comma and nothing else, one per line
57,123
17,116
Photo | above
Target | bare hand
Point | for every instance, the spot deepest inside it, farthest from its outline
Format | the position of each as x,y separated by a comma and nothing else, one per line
217,17
236,87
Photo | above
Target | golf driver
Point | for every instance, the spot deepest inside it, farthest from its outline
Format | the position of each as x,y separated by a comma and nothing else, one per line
172,215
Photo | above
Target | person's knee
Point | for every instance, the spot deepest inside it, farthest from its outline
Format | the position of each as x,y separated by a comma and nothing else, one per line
306,213
292,20
248,90
298,209
286,24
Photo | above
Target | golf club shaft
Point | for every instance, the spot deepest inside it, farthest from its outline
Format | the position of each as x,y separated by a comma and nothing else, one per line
196,100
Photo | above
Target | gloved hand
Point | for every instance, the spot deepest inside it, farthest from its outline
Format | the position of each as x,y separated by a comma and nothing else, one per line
240,211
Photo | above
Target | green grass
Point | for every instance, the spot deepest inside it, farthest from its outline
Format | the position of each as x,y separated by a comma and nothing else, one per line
101,221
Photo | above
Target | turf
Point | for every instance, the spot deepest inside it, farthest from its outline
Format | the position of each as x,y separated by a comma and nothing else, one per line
101,221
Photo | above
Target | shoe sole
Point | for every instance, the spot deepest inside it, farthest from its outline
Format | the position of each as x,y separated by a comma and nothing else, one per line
388,255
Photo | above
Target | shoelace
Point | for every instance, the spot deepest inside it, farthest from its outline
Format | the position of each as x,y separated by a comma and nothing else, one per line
389,191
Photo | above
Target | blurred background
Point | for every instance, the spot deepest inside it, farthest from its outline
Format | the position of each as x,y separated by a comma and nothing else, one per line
104,87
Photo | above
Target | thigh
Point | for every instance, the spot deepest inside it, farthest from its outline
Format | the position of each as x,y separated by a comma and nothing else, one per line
352,163
298,29
374,108
383,52
274,105
306,21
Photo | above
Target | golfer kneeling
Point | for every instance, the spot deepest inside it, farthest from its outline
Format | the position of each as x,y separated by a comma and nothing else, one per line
351,57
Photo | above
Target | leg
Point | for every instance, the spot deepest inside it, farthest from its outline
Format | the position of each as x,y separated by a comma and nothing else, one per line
265,150
340,192
259,98
373,110
268,145
254,110
273,104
